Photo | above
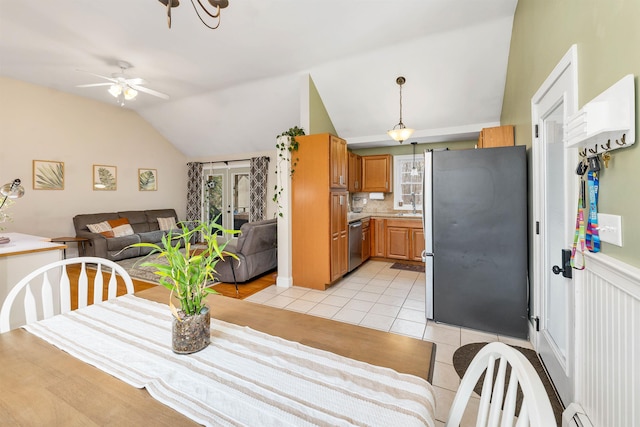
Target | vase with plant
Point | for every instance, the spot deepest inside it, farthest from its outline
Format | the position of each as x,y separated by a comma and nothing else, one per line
187,273
286,145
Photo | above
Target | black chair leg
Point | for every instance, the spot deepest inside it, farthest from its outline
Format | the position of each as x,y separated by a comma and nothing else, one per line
233,271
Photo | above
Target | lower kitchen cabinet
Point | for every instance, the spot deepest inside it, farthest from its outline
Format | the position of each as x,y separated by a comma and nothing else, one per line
339,235
366,240
397,239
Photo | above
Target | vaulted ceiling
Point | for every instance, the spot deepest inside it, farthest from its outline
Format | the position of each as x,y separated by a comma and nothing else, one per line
233,89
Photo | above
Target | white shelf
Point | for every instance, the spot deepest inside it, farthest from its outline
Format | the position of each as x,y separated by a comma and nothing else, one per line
607,122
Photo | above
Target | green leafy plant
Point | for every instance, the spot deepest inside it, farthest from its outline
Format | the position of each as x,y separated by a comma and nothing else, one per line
186,272
286,149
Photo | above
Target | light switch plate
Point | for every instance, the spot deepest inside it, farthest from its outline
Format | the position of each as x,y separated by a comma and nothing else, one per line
610,228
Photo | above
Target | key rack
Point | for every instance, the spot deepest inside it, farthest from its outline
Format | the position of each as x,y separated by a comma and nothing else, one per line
605,123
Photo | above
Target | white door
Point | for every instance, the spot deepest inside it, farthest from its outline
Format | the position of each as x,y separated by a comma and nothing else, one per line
226,195
555,202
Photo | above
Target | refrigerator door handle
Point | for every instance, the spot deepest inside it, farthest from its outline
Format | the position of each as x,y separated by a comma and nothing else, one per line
425,254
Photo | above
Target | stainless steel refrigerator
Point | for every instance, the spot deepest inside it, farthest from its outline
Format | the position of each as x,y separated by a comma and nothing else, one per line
475,219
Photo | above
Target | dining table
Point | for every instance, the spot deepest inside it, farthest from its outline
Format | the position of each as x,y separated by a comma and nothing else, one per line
42,385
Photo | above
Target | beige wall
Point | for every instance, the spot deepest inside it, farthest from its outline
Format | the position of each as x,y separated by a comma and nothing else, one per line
608,38
319,120
45,124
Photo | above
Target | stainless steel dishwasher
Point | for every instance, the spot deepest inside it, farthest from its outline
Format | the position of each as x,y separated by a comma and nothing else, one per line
355,244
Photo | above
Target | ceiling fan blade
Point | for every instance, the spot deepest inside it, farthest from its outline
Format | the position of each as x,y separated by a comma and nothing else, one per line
95,84
149,91
99,75
135,81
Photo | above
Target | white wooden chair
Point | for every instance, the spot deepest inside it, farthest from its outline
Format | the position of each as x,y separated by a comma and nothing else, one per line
44,279
536,408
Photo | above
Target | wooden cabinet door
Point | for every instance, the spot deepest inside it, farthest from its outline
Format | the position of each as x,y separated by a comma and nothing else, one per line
354,173
417,244
397,242
377,237
366,240
338,162
499,136
339,235
377,173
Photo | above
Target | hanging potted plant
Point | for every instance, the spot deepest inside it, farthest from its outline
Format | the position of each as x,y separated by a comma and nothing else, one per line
187,273
286,145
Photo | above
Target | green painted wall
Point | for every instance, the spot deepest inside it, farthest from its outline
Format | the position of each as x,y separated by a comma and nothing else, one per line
406,148
319,120
607,33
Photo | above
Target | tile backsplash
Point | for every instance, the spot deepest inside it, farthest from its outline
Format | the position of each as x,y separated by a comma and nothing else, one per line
372,206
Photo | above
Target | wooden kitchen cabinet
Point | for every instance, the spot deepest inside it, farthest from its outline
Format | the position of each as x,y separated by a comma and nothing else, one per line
339,235
366,240
319,229
397,242
338,162
377,173
499,136
355,173
417,244
397,239
378,238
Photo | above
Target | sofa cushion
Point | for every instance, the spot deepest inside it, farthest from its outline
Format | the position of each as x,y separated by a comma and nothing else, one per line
151,236
119,243
263,236
100,227
167,223
154,214
80,221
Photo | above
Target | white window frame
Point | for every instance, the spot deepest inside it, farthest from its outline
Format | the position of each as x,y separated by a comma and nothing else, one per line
397,180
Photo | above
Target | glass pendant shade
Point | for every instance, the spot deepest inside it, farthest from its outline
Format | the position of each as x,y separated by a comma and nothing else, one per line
115,90
400,134
130,93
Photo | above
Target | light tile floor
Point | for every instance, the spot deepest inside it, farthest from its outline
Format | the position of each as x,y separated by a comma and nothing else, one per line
377,296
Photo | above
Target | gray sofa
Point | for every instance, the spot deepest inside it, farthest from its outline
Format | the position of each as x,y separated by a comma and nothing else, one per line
144,224
257,251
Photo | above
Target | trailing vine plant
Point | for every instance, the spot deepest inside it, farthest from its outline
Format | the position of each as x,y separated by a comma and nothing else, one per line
286,148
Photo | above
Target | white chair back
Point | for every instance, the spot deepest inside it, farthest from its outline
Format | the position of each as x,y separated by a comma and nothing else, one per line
536,408
44,276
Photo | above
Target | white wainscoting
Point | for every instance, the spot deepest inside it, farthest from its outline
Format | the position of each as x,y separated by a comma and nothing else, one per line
608,342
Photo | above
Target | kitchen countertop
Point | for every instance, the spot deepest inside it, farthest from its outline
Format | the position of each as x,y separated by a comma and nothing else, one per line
352,216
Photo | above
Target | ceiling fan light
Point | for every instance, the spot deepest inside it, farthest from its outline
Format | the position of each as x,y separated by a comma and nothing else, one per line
115,90
130,93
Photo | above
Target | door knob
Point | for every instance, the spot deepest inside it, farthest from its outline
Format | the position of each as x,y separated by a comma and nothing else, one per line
566,265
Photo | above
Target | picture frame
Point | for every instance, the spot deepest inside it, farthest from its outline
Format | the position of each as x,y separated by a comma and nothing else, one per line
48,175
105,178
147,179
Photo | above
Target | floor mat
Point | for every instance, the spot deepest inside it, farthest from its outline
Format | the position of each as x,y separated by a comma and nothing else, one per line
408,267
465,354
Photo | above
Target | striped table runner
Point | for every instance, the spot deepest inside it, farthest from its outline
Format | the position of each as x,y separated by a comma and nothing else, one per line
244,377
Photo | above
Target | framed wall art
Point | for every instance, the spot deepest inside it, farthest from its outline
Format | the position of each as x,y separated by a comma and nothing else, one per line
105,178
147,179
48,175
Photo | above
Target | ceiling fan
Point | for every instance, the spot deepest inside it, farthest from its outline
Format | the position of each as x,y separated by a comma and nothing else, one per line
123,87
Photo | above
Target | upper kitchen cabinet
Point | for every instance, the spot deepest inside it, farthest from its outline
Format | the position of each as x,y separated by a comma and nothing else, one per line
355,173
338,162
500,136
377,173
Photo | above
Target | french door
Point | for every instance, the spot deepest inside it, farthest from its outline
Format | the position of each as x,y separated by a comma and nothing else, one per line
226,195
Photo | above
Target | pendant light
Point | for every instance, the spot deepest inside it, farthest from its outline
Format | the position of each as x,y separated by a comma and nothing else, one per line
400,132
414,169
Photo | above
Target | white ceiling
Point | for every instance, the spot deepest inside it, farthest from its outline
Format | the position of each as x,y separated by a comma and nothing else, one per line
235,88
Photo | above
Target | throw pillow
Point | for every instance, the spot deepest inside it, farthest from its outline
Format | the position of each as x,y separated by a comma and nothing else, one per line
108,234
116,222
167,223
99,227
122,230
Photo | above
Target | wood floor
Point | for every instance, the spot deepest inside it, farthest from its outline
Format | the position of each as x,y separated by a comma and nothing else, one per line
225,289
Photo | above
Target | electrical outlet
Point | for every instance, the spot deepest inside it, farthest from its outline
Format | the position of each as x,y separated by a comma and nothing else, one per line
364,201
610,228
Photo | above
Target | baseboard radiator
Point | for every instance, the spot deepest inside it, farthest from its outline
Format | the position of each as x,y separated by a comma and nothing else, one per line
607,369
